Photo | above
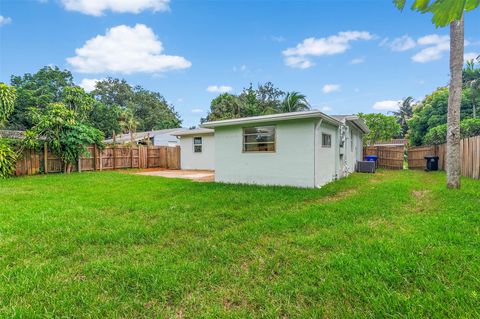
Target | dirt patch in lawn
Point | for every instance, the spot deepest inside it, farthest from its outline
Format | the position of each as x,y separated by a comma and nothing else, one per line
194,175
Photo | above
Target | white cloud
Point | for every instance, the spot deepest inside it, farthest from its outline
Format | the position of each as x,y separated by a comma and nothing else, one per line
97,7
326,109
197,110
403,43
470,56
436,46
388,105
299,56
219,89
329,88
357,61
5,20
89,84
127,50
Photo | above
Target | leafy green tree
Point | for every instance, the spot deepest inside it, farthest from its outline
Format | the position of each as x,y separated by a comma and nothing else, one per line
404,113
152,111
432,111
65,135
265,99
113,92
128,123
471,81
105,117
37,90
382,127
224,106
451,12
8,157
294,102
76,99
7,102
438,134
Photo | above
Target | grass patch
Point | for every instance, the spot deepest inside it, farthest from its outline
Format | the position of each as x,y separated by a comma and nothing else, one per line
394,244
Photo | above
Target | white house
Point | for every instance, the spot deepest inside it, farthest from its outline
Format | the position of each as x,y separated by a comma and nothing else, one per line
156,137
303,149
197,149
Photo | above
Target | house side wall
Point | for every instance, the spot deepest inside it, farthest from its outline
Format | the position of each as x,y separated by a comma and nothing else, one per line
354,145
327,158
165,140
191,160
292,164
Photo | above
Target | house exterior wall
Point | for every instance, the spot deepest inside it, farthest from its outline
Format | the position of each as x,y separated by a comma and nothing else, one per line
327,158
292,164
165,140
201,161
354,146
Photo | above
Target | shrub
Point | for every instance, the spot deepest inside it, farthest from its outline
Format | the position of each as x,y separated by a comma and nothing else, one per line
8,159
438,134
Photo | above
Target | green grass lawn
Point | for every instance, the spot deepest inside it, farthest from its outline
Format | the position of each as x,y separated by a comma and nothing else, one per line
396,244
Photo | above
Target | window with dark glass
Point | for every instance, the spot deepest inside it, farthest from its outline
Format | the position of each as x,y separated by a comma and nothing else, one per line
197,145
259,139
326,140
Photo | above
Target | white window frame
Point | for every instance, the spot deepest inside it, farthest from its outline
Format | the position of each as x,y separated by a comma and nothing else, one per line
199,145
274,142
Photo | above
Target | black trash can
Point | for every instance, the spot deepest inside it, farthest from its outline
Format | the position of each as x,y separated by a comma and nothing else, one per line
432,163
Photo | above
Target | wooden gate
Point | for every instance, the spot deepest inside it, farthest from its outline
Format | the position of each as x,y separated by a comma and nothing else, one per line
416,156
389,156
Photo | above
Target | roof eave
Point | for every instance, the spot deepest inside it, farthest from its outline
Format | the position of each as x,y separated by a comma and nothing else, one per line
264,119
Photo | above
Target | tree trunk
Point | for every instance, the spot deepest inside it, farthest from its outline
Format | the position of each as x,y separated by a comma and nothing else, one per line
454,101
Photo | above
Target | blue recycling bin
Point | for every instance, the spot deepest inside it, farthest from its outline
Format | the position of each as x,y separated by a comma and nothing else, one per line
372,158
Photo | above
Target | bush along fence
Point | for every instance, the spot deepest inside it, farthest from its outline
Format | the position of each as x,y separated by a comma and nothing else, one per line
392,157
110,158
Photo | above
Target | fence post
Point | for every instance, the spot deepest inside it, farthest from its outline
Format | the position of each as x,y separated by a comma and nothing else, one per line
94,157
45,158
100,160
114,156
79,164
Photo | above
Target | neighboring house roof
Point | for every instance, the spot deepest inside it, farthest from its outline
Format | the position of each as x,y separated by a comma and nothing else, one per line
273,118
12,134
138,136
355,119
197,131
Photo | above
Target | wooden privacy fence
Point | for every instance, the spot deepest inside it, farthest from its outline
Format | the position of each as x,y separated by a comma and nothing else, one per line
469,156
416,156
111,157
390,157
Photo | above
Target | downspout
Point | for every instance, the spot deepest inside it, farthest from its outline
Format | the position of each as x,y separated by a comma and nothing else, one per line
315,147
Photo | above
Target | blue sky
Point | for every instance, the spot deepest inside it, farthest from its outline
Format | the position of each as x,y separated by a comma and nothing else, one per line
346,56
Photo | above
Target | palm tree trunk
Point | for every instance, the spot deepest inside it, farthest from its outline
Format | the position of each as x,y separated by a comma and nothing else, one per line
454,101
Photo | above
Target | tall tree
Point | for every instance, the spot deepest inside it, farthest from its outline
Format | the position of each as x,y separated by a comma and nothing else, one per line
294,102
471,81
382,127
450,12
404,113
37,90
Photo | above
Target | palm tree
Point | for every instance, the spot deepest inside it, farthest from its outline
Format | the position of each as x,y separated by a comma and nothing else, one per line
294,102
128,123
404,113
451,12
